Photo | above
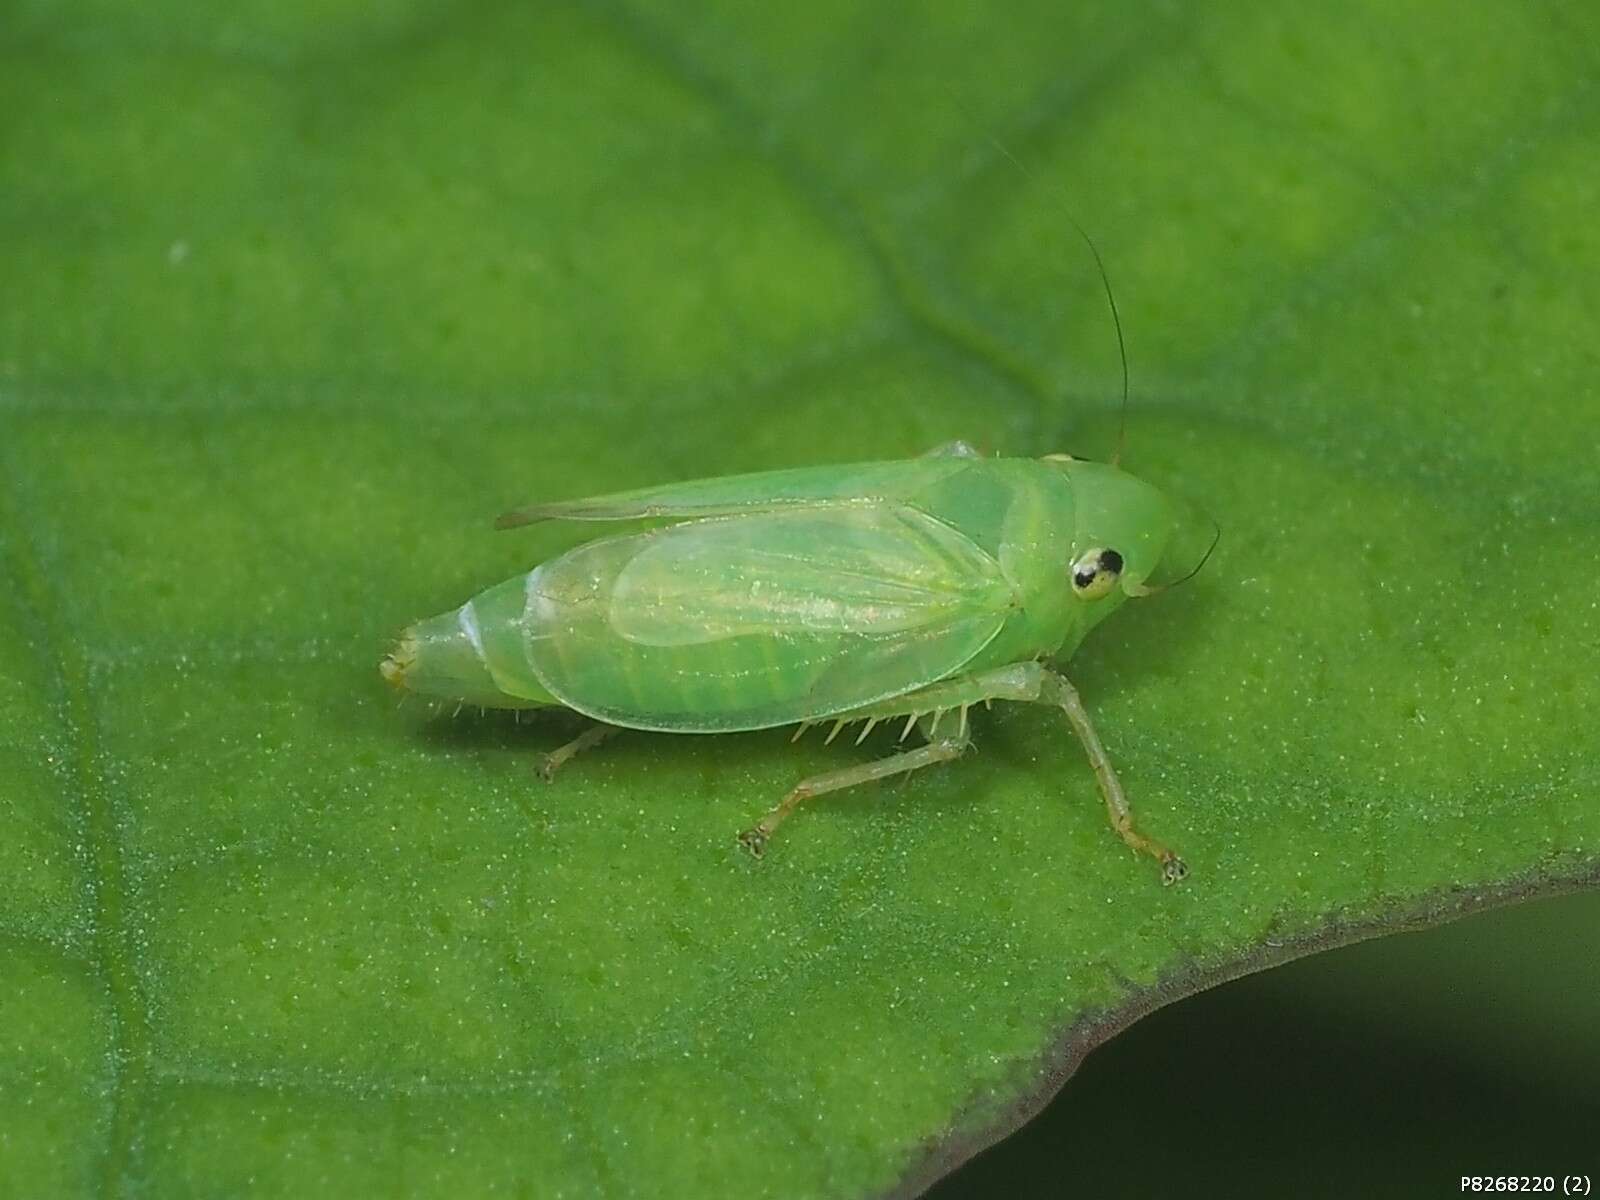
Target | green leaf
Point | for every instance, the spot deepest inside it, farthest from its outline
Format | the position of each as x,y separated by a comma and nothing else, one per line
297,298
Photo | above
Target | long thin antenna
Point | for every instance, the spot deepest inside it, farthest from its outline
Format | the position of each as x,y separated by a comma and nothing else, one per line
1144,590
1105,281
1205,558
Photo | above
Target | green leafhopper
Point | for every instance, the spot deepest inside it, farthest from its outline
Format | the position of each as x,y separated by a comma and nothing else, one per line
904,590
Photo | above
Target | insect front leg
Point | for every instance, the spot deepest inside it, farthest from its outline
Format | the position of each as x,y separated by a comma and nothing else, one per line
1056,689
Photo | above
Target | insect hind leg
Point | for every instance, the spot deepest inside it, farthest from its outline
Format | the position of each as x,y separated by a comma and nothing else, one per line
939,750
947,700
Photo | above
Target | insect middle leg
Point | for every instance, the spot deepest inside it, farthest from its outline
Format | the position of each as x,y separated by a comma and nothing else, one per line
589,738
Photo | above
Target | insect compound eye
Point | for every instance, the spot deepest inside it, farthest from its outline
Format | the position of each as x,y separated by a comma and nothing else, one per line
1096,573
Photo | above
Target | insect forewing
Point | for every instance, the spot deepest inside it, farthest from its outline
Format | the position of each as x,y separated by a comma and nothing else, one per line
759,620
802,487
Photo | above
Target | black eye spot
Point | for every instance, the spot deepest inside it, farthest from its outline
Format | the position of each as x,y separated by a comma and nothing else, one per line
1096,573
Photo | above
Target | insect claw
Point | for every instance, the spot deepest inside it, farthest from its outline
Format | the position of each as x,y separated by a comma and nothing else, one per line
754,840
837,725
867,728
1173,869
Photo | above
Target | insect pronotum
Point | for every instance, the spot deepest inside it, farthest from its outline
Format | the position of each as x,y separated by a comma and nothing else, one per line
907,590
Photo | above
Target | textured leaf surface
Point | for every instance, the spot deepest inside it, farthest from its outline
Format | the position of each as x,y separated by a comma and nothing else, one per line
297,298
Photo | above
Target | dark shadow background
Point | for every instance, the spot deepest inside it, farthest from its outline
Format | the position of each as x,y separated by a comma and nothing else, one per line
1389,1068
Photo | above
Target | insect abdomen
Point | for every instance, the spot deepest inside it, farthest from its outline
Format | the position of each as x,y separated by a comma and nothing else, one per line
754,621
729,684
469,655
